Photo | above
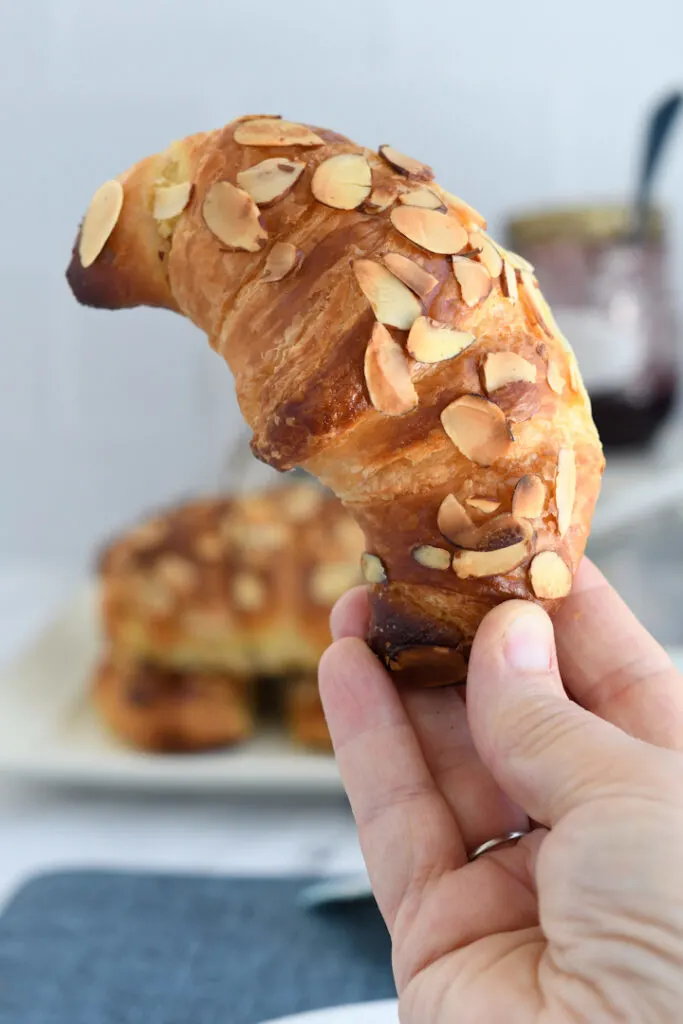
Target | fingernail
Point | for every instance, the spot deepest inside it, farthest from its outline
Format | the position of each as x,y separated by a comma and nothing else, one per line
528,643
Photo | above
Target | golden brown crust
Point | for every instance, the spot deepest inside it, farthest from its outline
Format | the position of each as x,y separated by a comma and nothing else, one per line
162,710
297,350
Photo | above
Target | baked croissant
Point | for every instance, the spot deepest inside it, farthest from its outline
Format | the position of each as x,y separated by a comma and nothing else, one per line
382,340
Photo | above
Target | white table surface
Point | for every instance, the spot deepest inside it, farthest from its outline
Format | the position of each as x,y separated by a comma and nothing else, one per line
45,828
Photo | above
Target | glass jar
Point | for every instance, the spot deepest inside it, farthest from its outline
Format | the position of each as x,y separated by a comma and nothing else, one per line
611,297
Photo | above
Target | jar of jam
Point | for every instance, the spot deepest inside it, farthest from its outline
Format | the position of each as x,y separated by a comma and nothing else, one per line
611,297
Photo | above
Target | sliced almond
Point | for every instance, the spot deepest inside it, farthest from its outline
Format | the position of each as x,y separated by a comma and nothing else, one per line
425,198
477,428
273,131
519,400
518,262
490,563
503,531
539,306
436,232
271,179
387,375
248,591
551,577
412,274
510,281
405,164
99,221
501,368
528,497
452,518
430,341
392,302
466,212
282,258
380,199
372,568
177,573
170,200
555,378
343,182
233,217
575,379
488,252
565,488
431,557
329,581
485,505
474,280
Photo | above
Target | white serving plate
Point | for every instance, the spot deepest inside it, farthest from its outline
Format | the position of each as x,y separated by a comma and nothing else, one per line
49,732
384,1012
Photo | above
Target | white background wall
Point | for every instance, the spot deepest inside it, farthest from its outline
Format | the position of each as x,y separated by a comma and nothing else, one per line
515,104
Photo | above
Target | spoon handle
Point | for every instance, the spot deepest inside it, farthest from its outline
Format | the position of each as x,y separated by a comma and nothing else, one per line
659,129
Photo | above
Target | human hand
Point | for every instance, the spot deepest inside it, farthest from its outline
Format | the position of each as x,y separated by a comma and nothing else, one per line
582,919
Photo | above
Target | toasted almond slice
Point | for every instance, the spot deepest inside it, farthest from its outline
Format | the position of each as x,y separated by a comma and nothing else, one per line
528,497
467,213
412,274
501,368
372,568
485,505
490,563
170,200
271,179
555,378
501,531
510,281
539,307
452,518
343,182
565,488
551,577
380,199
273,131
99,221
424,198
179,574
477,428
392,302
430,341
248,592
518,262
387,374
436,232
474,280
233,217
405,164
519,401
329,581
488,252
575,378
431,557
282,258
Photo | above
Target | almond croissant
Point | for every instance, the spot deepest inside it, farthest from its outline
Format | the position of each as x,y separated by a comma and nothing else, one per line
383,341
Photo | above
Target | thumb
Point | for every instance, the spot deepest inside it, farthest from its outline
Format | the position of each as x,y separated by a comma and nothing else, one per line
547,753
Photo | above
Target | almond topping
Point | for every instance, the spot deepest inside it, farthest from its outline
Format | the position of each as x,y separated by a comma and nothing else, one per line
270,180
539,306
474,280
177,573
372,568
466,212
248,591
528,498
477,428
518,262
170,200
423,197
490,563
328,582
565,488
551,577
555,378
343,181
430,341
510,281
502,531
392,302
209,547
485,505
273,131
488,252
412,274
519,400
501,368
431,557
281,259
387,374
405,164
575,379
233,217
380,199
436,232
452,518
99,221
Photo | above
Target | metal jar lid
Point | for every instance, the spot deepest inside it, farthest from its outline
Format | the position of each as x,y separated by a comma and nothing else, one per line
587,224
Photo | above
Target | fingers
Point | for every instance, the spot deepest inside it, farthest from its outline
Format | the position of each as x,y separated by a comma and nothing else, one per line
406,828
351,614
613,667
546,752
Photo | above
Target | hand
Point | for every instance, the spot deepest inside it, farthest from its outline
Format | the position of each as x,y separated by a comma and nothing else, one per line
582,920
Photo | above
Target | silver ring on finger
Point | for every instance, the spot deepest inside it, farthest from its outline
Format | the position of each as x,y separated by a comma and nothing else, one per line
494,844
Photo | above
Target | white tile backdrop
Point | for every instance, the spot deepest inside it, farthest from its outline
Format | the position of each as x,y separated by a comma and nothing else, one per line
515,104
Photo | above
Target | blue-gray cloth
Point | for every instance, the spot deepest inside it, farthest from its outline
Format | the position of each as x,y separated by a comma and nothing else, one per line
114,948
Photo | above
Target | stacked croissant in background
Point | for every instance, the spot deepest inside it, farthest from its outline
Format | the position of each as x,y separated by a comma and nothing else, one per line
200,603
382,340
